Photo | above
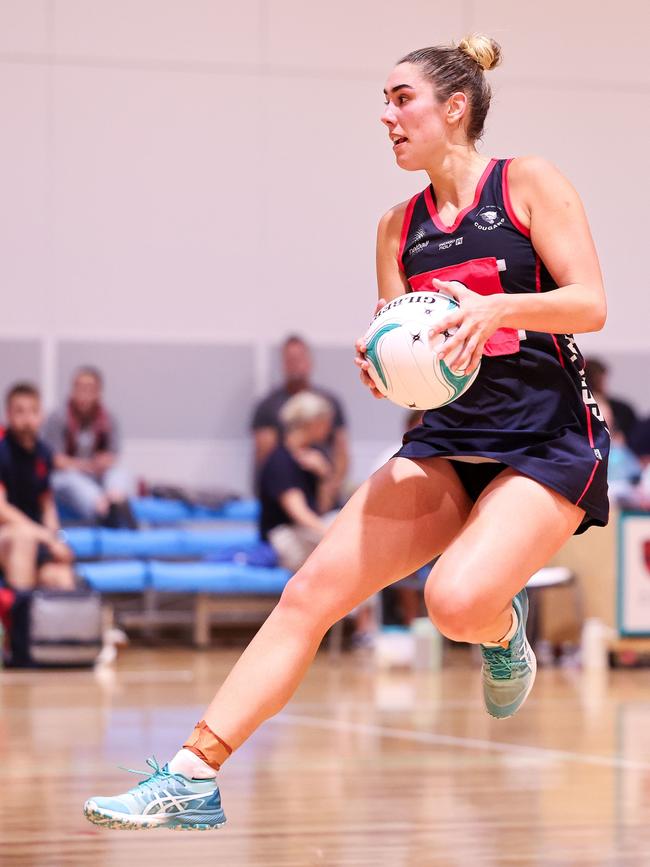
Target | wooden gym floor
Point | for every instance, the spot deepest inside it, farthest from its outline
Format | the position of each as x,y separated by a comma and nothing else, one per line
362,768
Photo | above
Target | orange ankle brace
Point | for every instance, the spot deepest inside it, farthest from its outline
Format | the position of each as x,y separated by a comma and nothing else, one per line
210,748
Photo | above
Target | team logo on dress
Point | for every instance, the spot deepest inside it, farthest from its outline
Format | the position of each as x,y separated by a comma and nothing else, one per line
415,242
489,217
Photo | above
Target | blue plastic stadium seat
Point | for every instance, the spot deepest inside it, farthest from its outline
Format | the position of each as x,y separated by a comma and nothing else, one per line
222,542
241,510
217,578
121,576
158,542
84,541
152,510
204,513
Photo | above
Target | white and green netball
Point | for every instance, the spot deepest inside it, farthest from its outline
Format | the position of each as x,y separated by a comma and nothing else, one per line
403,358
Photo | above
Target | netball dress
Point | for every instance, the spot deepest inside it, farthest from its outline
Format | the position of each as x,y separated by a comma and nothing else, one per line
530,407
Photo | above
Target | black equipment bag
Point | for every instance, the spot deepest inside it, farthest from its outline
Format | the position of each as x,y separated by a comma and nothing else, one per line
54,628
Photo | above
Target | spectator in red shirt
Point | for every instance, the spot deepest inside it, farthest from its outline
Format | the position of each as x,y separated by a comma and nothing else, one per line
31,550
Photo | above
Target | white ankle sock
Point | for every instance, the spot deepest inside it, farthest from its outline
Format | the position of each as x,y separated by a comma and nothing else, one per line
188,764
509,634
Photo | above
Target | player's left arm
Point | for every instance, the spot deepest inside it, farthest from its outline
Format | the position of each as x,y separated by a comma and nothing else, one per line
545,202
560,234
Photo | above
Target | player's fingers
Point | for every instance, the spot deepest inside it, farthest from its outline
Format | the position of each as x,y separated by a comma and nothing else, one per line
453,345
476,358
380,303
365,379
452,320
465,357
452,287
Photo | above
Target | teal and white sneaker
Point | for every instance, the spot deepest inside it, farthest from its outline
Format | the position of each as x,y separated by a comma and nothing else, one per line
163,800
509,673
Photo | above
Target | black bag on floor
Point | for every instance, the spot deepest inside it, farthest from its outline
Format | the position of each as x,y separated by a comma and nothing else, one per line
54,628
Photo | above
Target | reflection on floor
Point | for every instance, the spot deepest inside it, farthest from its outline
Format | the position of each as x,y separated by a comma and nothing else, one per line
362,768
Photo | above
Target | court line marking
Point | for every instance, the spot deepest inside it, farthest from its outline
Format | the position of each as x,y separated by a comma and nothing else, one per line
548,755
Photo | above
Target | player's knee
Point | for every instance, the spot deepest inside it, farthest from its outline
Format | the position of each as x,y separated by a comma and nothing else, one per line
298,594
305,598
454,611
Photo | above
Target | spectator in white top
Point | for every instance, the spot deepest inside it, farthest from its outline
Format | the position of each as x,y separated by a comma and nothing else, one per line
84,438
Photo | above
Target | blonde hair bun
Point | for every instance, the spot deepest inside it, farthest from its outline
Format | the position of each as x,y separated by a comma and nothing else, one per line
482,49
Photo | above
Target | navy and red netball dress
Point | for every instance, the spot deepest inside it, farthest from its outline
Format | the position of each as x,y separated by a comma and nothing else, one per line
529,408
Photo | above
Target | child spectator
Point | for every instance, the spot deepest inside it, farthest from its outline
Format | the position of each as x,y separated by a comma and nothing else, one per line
85,440
297,365
31,551
292,480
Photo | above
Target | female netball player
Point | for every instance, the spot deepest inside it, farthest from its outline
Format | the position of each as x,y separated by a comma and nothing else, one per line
495,482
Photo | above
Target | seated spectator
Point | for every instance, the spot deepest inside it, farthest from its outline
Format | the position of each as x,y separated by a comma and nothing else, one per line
31,550
292,480
640,446
297,366
623,414
84,438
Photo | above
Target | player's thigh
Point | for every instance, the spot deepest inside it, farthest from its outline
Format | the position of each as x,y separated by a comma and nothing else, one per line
403,516
514,528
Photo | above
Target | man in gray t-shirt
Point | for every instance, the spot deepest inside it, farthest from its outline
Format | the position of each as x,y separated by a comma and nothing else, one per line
297,366
84,437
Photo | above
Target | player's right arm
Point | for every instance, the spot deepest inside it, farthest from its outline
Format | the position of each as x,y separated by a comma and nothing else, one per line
391,281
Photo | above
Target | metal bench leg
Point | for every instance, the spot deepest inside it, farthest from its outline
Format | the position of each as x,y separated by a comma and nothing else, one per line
201,621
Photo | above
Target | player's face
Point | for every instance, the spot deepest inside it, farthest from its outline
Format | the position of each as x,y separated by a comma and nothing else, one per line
415,120
24,416
86,393
297,362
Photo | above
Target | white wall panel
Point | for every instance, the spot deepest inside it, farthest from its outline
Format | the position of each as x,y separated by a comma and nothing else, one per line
146,30
25,212
329,175
24,26
608,166
156,182
596,44
366,36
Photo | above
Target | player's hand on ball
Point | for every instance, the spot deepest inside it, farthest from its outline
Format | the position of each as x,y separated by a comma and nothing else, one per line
360,359
475,321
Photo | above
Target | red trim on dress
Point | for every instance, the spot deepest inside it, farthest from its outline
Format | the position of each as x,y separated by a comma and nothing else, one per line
538,274
559,351
590,433
588,485
433,209
406,224
589,430
508,203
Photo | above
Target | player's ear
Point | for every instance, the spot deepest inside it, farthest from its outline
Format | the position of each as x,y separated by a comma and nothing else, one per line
456,107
